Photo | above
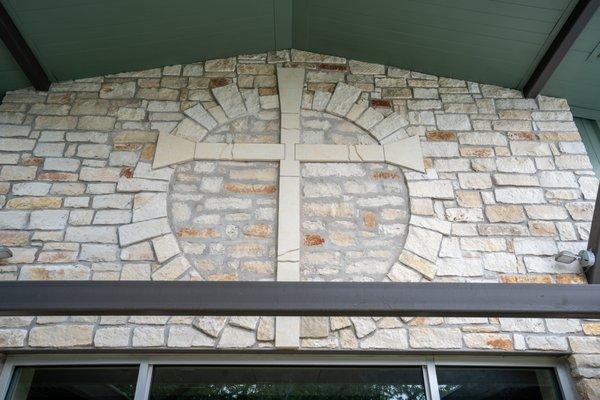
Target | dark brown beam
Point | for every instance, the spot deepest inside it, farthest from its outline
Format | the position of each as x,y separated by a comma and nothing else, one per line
299,299
573,26
21,52
593,273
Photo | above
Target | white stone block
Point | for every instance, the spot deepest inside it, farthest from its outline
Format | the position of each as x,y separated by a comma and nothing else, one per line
165,247
230,99
287,332
258,152
199,114
172,150
342,99
291,84
140,231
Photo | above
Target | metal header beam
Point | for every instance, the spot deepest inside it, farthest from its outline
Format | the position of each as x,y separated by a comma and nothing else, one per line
299,299
21,52
573,26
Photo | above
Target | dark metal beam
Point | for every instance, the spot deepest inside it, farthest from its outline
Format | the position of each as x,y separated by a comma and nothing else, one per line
21,52
593,273
299,299
573,26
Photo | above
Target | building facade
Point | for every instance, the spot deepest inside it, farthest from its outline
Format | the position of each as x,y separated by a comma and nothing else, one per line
507,184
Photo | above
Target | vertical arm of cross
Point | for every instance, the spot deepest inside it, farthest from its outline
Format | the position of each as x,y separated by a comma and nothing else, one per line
291,85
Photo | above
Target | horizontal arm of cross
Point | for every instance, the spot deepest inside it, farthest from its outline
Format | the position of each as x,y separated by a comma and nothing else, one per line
403,153
240,151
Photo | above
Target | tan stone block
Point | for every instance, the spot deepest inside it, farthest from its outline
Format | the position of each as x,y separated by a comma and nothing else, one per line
542,228
266,329
338,323
469,199
591,328
488,341
250,188
132,136
540,279
512,213
61,336
314,327
30,203
427,268
172,150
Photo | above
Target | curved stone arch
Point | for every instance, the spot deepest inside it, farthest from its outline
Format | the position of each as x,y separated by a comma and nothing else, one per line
175,148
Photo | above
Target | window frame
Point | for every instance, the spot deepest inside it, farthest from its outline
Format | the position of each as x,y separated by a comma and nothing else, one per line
428,364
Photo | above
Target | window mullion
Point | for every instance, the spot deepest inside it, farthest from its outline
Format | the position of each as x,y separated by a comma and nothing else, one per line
431,381
142,388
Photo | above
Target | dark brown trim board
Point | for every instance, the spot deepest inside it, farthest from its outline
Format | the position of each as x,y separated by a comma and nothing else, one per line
584,10
299,299
21,52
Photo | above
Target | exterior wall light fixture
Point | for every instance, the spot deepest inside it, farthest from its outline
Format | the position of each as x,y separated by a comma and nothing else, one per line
586,258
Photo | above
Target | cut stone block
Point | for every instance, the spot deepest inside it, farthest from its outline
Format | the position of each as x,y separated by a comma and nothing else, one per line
291,84
290,166
339,152
367,153
214,151
288,243
342,100
369,118
405,153
322,153
240,151
389,125
172,150
287,332
199,114
258,152
252,100
230,98
288,271
290,121
189,129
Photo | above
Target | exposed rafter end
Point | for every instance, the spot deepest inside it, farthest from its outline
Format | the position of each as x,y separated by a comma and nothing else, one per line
21,52
573,26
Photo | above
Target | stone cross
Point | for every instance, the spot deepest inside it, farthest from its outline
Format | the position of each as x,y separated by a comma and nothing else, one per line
289,153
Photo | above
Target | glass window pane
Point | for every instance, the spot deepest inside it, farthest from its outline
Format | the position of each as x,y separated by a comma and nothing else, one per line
171,382
483,383
73,383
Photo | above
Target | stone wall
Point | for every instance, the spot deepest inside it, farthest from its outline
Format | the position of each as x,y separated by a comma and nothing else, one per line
507,185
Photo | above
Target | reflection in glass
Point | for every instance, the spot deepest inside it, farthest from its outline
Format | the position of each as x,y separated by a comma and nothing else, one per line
482,383
73,383
196,383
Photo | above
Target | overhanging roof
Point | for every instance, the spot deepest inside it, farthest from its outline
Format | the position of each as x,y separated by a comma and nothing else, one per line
478,40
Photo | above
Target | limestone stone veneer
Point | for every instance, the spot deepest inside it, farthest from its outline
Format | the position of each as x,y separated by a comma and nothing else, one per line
503,183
